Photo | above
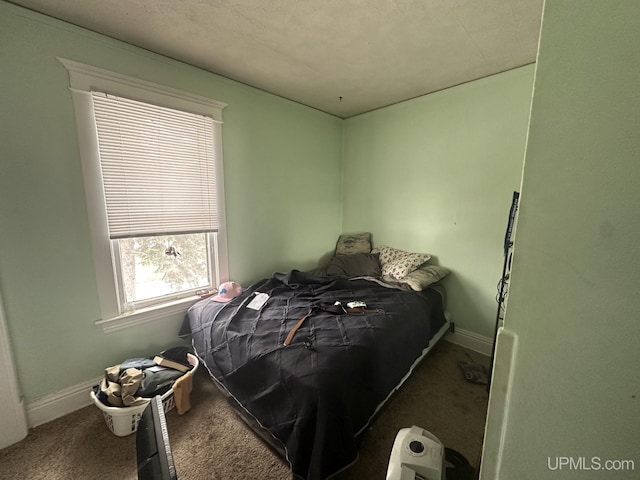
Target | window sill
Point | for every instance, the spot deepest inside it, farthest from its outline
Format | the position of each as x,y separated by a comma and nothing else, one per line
145,315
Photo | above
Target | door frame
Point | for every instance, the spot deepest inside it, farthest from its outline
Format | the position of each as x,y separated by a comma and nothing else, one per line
13,417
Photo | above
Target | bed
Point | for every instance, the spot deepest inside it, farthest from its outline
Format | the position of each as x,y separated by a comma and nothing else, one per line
308,374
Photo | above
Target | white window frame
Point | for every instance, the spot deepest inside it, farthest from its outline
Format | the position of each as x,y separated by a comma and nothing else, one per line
83,80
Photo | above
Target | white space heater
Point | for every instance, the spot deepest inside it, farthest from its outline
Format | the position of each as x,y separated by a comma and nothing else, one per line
416,455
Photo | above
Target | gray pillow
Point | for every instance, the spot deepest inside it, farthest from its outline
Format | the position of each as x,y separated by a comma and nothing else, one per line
355,265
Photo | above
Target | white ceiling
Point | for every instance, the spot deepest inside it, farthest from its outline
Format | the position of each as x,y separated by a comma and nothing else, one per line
371,53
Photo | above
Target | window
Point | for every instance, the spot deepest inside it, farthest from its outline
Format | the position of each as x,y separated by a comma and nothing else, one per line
152,167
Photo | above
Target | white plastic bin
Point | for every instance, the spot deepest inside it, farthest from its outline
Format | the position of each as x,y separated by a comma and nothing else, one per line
123,421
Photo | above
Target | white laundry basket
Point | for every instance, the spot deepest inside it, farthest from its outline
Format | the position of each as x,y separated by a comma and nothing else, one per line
123,421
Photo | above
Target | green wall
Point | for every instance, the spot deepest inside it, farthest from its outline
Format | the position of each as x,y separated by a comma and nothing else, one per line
282,166
436,174
573,305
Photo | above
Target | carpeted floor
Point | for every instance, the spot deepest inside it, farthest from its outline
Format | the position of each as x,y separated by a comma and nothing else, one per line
211,442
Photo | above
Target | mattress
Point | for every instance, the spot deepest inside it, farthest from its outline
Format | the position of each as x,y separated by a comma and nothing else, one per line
313,398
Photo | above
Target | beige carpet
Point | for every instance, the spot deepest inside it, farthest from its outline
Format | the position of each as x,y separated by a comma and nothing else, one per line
210,442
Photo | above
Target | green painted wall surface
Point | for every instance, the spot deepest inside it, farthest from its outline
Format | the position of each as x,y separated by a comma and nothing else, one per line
433,174
282,183
574,298
436,174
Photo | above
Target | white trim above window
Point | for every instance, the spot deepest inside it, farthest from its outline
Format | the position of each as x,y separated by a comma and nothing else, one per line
84,80
87,78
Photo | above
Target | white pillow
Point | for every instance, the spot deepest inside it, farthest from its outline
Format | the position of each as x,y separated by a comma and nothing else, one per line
398,263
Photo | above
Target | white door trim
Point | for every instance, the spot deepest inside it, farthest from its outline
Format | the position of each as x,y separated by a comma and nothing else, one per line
12,414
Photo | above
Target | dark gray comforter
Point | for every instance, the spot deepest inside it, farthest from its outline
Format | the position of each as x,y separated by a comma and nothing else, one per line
318,394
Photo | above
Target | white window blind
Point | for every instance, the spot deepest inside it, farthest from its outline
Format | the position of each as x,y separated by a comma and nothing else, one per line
158,168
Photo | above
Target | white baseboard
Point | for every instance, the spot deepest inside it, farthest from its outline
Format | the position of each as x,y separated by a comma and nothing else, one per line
60,403
471,340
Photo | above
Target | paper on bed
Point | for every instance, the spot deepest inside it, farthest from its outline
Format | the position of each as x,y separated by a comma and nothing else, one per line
258,301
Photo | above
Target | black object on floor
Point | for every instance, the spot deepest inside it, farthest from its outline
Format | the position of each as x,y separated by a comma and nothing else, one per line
458,467
153,451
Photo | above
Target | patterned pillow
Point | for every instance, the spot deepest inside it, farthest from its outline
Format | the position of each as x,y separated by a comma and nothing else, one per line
350,244
424,276
398,263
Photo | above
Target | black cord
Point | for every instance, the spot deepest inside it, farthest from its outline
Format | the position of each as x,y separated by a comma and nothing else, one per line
503,288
